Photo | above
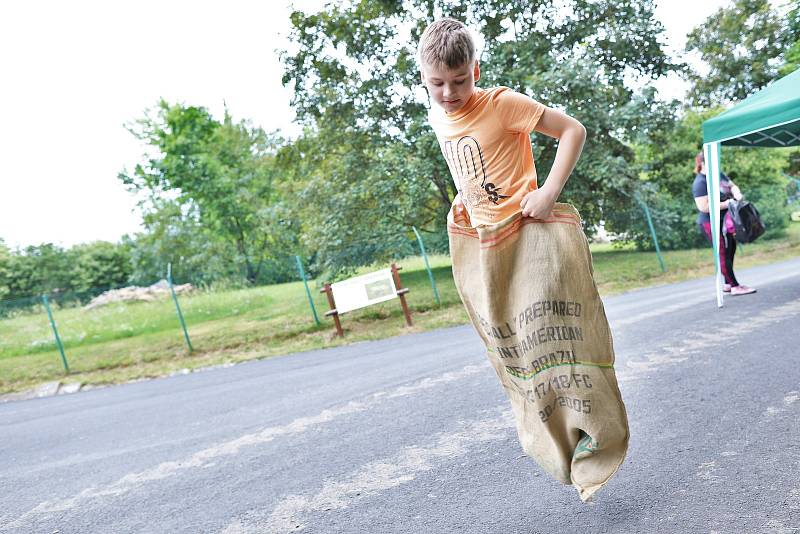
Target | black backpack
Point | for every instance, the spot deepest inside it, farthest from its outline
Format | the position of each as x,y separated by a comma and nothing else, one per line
747,221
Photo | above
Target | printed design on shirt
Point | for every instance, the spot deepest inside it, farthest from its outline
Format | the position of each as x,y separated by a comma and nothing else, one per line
467,164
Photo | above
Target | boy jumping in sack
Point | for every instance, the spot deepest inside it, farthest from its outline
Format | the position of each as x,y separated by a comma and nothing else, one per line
522,266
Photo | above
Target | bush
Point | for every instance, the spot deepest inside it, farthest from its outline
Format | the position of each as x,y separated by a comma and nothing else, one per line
675,222
773,205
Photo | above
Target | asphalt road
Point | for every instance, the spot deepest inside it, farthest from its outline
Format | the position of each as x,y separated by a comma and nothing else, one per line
412,435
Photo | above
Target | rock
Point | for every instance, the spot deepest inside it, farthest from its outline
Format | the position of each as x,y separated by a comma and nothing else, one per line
135,293
72,387
47,389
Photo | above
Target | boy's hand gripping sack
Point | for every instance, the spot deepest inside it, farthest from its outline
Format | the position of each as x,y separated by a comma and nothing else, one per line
528,288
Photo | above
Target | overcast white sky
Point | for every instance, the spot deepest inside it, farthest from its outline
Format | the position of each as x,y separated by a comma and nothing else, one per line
73,73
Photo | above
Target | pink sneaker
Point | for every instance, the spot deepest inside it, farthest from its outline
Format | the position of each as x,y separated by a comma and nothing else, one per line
742,290
726,288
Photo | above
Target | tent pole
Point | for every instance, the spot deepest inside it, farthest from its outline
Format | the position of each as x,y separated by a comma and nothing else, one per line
712,157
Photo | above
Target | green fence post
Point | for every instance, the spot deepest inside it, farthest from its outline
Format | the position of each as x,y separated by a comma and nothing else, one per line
427,266
178,307
308,292
652,232
55,333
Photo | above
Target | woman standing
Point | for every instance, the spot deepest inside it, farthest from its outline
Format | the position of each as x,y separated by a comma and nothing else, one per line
727,244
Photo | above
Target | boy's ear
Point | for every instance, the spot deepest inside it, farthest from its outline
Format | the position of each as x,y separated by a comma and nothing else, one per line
476,71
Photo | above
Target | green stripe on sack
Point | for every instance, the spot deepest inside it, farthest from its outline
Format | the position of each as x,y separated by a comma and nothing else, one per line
528,376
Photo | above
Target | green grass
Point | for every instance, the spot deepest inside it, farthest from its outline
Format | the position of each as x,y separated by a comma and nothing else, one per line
621,270
127,341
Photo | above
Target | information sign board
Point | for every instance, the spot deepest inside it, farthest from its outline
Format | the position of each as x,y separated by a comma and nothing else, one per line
364,290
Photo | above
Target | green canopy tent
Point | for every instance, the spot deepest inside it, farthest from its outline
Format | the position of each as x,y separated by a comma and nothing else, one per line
768,118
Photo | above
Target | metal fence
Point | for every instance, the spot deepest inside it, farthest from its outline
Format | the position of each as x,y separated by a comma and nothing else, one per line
65,323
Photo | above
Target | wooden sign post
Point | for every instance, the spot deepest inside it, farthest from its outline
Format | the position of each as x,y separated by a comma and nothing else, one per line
364,290
327,290
401,292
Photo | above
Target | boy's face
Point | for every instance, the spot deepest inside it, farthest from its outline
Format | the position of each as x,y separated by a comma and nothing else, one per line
450,88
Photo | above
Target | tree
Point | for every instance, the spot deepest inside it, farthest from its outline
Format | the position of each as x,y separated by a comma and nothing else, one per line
5,268
40,269
358,201
357,90
742,46
174,235
223,173
792,55
86,268
745,46
666,157
99,266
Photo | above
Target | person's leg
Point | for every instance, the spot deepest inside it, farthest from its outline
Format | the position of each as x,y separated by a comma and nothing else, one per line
723,262
730,251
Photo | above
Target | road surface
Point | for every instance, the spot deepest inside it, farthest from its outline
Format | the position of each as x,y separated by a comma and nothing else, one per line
412,435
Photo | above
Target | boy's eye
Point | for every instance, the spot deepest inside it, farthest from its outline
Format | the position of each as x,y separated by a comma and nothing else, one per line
460,82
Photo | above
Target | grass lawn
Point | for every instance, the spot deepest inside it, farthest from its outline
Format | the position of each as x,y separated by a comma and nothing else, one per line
127,341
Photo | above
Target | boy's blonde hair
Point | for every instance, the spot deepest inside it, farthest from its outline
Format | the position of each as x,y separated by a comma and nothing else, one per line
446,42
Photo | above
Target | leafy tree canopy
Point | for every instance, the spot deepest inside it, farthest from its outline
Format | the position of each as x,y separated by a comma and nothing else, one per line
370,163
792,55
222,173
742,45
5,268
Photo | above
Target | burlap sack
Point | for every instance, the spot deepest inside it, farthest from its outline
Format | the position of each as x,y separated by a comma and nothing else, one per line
528,288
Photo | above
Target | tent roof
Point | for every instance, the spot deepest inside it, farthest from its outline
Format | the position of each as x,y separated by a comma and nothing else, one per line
770,117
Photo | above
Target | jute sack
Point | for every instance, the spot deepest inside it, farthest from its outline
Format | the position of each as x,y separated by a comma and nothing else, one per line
528,288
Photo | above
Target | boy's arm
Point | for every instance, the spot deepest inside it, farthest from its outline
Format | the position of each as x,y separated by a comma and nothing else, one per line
571,135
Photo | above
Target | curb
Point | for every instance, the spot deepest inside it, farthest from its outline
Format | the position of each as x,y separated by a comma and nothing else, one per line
48,389
51,389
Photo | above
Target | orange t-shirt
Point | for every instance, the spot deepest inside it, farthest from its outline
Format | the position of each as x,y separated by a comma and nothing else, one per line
487,146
